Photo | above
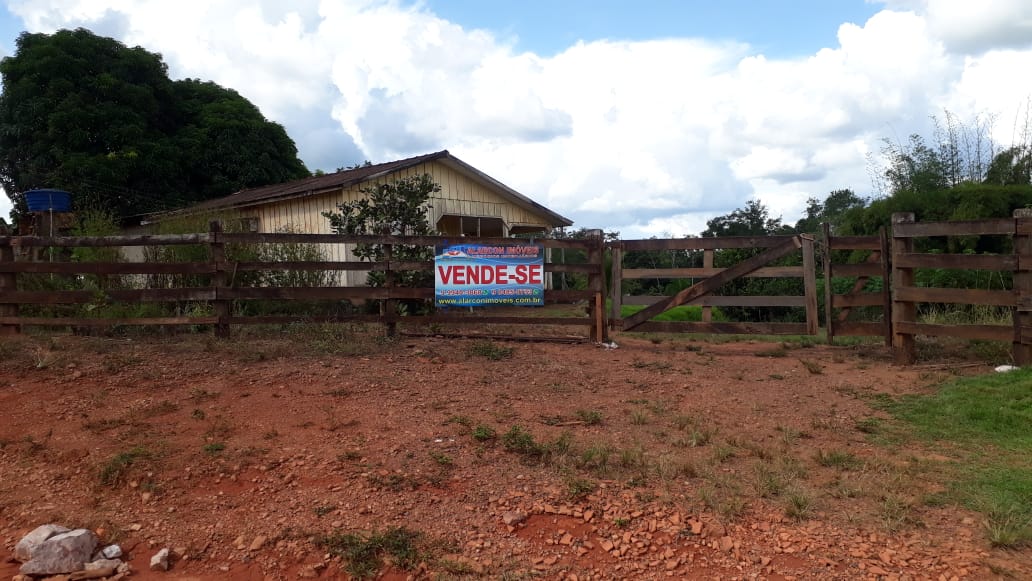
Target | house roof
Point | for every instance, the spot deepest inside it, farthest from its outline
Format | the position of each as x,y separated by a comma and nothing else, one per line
347,178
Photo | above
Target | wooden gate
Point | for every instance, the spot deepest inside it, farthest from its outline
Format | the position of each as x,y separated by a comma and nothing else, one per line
840,309
702,292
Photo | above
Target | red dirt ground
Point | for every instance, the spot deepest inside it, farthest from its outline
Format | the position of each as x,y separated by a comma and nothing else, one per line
703,464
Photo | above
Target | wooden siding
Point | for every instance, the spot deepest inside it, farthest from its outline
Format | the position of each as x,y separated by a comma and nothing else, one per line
459,195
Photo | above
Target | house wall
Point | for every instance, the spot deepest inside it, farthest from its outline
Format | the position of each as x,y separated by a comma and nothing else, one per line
460,195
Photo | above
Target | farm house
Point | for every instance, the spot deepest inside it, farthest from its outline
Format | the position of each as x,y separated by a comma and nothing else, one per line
470,203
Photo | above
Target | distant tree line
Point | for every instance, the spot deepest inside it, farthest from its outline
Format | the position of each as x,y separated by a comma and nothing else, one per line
960,174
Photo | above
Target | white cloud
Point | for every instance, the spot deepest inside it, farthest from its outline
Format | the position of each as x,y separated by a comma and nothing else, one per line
972,27
647,137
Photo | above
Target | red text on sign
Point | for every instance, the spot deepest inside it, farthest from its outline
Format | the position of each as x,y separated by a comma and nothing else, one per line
456,274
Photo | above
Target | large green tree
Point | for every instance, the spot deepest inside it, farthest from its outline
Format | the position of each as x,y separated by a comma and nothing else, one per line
88,114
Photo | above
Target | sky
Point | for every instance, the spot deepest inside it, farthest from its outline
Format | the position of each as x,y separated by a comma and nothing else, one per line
647,118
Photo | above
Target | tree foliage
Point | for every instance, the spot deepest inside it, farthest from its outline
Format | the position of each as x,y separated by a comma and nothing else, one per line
832,211
398,208
87,114
752,220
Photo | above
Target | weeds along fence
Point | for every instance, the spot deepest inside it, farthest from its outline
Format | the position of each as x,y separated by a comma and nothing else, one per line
216,278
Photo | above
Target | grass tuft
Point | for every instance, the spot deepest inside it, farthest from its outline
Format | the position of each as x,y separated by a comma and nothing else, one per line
1009,528
482,433
115,469
520,441
590,417
838,459
798,505
579,488
366,555
812,366
490,350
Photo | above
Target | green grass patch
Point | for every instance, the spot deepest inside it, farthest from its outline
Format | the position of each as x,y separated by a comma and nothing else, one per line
490,350
683,313
579,488
838,459
984,422
366,555
992,409
590,417
483,433
115,469
520,441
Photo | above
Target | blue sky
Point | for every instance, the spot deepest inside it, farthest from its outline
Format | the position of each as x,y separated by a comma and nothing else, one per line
10,27
644,117
783,28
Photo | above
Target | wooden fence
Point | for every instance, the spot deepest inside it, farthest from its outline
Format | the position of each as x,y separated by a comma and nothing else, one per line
221,292
839,307
713,278
906,295
899,296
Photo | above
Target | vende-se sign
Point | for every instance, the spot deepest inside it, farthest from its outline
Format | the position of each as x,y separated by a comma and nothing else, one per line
474,275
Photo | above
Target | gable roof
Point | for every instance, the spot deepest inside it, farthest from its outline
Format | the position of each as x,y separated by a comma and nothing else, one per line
343,179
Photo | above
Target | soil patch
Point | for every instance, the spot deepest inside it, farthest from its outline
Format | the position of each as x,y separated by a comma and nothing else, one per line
659,459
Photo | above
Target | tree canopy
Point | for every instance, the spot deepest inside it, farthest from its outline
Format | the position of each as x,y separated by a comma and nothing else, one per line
752,220
398,208
87,114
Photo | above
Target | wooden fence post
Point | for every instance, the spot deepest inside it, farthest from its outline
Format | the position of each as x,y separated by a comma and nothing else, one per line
8,283
707,262
829,291
810,285
218,279
904,350
1021,348
596,284
886,264
389,307
616,284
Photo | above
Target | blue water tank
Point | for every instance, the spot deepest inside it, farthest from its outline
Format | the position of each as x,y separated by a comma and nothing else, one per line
48,201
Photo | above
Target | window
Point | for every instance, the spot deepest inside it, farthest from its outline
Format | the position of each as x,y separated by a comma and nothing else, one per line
452,225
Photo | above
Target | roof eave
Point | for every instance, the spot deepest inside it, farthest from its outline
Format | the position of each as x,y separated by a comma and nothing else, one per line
556,220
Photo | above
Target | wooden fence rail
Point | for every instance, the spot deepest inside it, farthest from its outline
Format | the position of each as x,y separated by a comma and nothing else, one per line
710,279
907,295
838,307
221,289
216,281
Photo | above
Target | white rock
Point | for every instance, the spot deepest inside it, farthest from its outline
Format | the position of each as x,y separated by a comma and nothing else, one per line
111,552
27,545
159,562
1006,368
62,553
103,564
